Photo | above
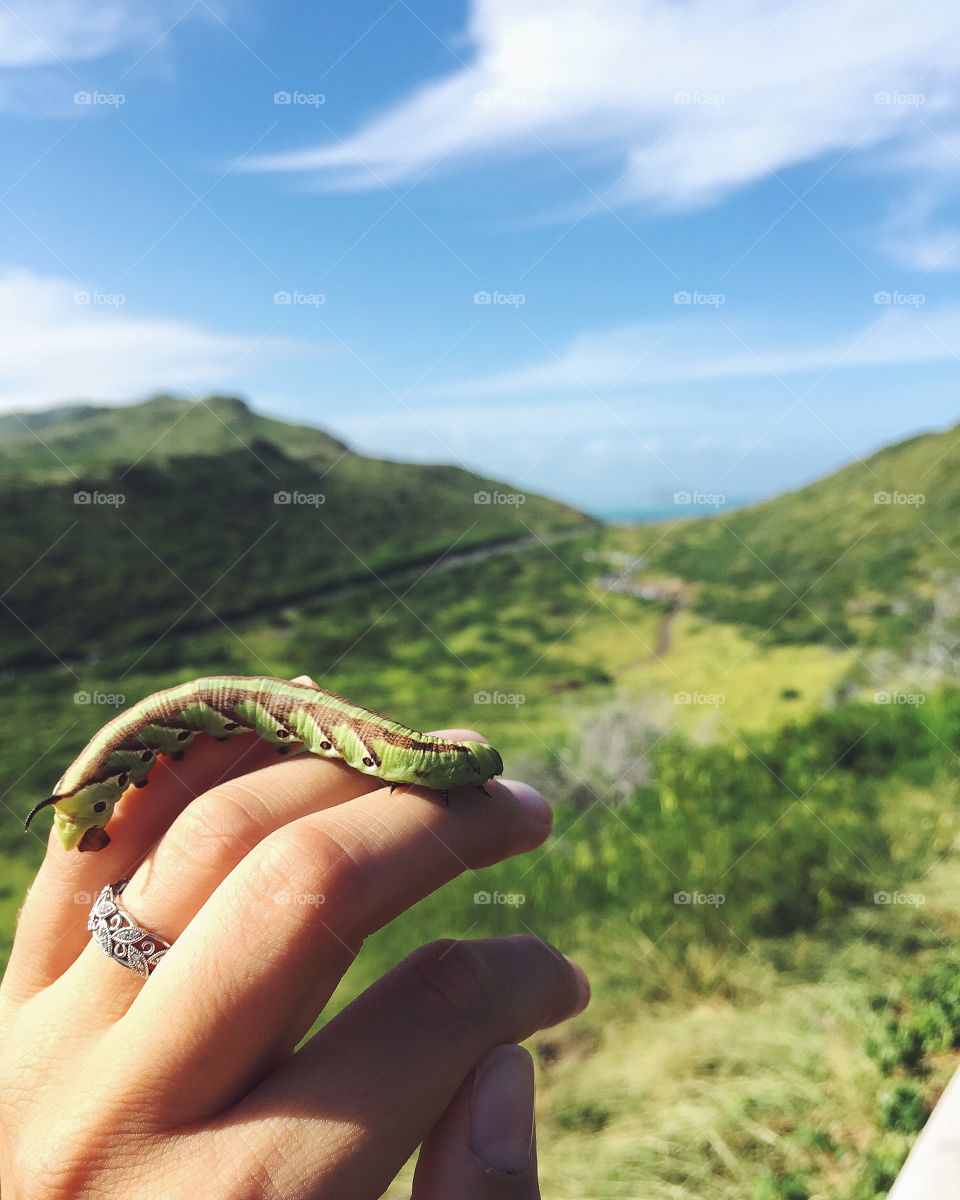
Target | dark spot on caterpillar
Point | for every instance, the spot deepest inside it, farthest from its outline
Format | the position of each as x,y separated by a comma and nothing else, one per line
177,755
146,756
100,806
421,774
231,726
183,735
223,739
123,780
282,733
325,746
368,762
283,749
141,782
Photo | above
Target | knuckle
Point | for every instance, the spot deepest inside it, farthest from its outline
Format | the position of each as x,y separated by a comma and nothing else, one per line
457,984
303,861
223,823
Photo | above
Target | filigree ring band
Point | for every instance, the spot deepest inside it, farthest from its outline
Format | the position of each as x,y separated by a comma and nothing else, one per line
120,937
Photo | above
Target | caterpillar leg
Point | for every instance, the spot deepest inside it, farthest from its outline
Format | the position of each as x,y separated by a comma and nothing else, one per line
93,840
483,791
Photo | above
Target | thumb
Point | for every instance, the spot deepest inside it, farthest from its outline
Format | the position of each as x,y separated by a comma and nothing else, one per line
484,1145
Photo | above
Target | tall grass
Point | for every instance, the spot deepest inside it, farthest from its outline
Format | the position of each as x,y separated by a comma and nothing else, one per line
679,854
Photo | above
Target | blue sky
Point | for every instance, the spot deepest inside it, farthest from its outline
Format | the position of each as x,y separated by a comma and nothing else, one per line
718,244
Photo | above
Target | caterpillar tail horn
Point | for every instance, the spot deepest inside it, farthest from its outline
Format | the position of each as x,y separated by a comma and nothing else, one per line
37,807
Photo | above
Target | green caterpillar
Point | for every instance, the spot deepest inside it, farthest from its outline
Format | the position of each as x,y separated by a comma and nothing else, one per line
284,714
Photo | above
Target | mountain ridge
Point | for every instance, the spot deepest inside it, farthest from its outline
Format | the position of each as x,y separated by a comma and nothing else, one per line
859,555
141,524
53,443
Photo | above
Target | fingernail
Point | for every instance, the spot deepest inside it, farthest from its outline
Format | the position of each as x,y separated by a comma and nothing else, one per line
501,1110
305,679
530,800
583,986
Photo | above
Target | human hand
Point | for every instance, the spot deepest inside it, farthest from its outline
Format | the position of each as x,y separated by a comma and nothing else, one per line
188,1084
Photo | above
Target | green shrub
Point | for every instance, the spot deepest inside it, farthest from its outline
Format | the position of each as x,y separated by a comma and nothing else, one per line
903,1110
781,1187
587,1117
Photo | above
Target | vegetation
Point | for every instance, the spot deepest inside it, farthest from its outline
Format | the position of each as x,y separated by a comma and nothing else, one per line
212,520
54,444
856,557
752,855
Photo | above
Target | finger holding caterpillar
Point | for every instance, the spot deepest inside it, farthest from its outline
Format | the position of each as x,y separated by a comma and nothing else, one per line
226,825
68,882
274,933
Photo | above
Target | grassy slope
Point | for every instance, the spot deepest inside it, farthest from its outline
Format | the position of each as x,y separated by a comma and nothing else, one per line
828,562
521,645
198,536
53,443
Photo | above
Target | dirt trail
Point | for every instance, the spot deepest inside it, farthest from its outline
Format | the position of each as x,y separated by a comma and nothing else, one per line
674,592
663,633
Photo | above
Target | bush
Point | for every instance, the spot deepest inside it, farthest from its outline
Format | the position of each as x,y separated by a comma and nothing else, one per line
782,1187
903,1110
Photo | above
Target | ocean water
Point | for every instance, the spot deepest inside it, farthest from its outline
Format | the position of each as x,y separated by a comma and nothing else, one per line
671,511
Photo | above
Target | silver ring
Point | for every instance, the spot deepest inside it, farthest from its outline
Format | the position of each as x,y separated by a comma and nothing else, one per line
120,937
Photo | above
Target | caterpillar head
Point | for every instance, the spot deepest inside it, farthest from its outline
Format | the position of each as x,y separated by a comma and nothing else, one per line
464,764
80,816
484,761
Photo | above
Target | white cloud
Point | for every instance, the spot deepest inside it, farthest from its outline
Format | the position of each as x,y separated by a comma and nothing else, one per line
710,349
683,101
41,32
59,341
46,46
919,237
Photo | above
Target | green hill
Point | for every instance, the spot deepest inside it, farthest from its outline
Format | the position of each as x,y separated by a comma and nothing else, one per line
123,523
56,442
861,556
